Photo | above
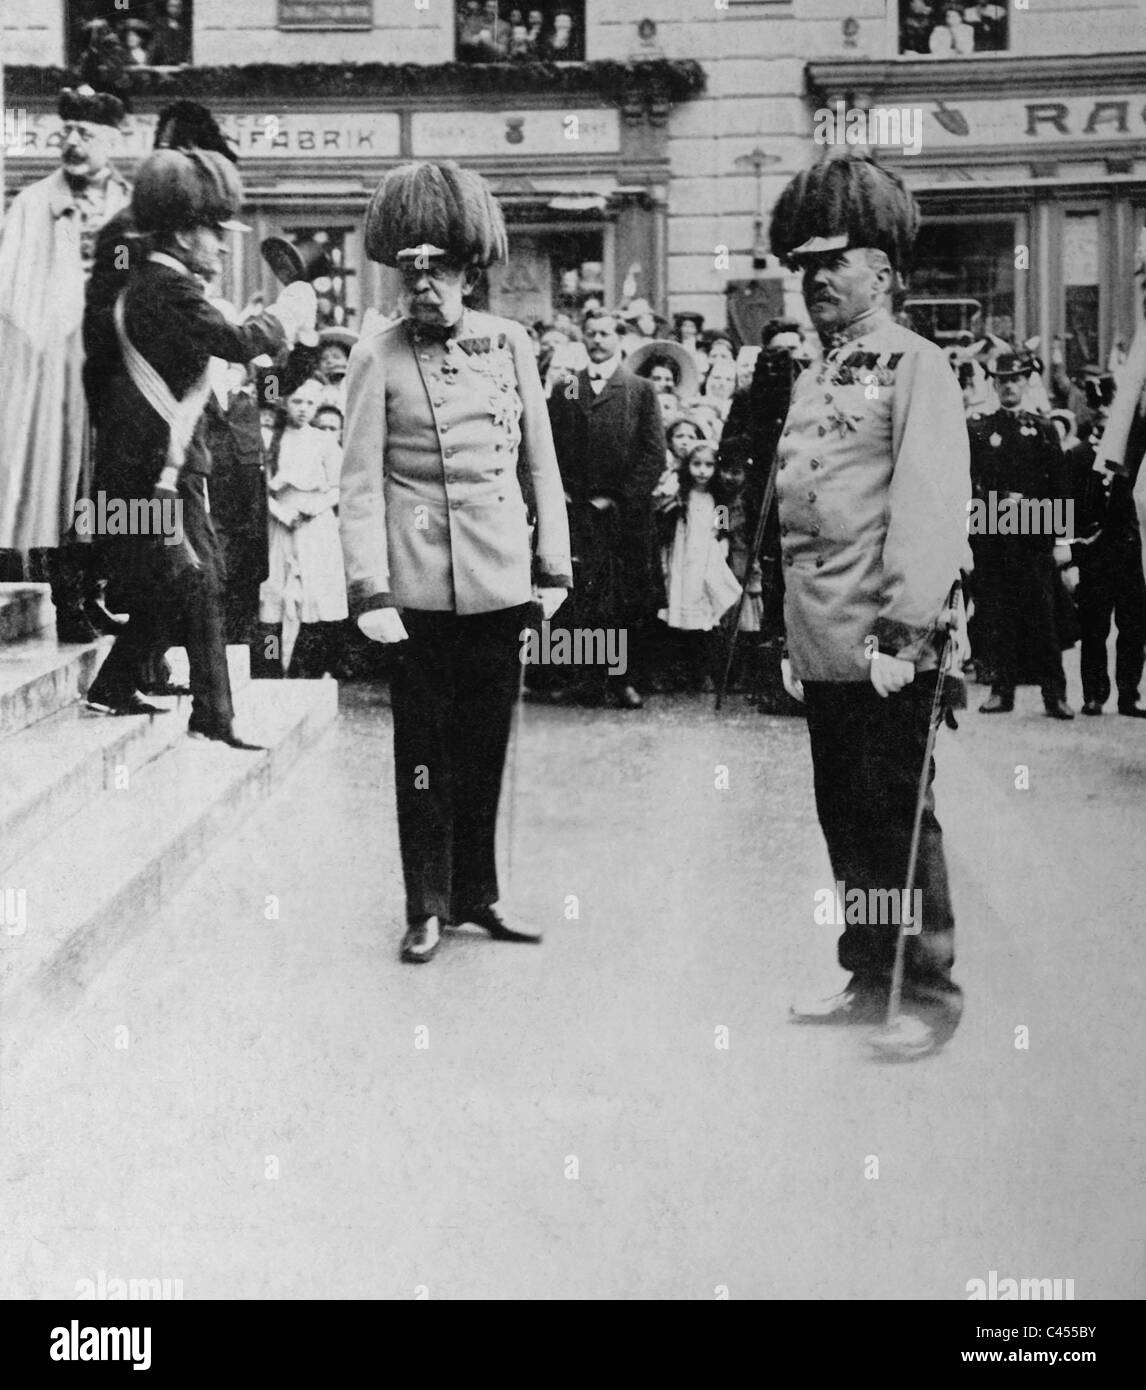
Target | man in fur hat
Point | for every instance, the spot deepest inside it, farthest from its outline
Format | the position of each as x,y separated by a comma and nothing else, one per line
152,432
442,405
873,484
46,254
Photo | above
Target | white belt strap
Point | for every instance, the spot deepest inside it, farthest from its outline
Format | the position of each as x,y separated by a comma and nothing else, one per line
181,416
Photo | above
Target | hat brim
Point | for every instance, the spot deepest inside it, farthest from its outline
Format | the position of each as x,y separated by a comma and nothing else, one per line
688,383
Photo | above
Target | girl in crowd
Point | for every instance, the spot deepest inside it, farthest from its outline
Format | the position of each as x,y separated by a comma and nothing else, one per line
304,595
699,585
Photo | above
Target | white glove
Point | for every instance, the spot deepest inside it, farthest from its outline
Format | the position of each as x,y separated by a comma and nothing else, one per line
1070,578
792,684
296,308
551,601
383,625
889,674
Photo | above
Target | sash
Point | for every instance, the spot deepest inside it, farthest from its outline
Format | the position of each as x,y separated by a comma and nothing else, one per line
181,417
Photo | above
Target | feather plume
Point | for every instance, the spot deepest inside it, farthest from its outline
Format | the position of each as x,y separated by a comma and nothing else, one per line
441,204
847,195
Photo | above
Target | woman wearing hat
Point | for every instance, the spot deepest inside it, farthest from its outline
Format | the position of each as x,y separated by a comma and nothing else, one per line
442,406
151,443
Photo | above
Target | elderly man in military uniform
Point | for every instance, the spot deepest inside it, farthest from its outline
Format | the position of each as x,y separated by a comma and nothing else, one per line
441,406
1016,459
873,486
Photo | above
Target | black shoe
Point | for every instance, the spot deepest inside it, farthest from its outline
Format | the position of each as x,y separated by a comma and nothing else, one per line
1092,707
1057,708
227,736
997,703
502,928
929,1018
421,941
102,618
1132,709
166,690
133,704
862,1000
73,625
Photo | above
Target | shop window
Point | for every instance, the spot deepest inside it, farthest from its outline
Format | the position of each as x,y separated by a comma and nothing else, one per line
549,274
963,282
102,37
494,31
1080,290
937,29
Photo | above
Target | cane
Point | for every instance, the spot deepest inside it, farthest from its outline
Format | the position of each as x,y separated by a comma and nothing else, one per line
753,554
518,718
889,1033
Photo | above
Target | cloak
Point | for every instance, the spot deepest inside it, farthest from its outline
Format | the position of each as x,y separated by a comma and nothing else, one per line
43,415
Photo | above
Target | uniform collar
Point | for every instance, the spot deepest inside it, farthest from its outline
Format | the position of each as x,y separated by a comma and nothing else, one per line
162,258
866,323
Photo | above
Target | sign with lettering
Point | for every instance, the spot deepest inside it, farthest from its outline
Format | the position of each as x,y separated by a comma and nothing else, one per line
1026,123
326,14
257,135
450,134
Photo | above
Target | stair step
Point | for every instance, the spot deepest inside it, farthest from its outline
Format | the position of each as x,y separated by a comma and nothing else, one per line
53,767
40,676
25,609
92,884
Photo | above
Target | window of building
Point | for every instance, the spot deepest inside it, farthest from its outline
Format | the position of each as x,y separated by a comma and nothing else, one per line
103,37
1080,282
549,272
496,31
938,29
963,281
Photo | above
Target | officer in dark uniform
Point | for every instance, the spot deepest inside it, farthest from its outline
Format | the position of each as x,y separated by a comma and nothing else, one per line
1108,552
1016,456
152,443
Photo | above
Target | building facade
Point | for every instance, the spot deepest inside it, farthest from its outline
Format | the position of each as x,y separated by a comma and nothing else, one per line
638,145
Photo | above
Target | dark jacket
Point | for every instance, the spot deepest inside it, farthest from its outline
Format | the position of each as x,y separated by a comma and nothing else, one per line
613,445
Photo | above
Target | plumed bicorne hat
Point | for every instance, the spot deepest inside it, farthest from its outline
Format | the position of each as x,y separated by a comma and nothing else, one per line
176,190
844,201
186,125
1009,366
435,209
86,104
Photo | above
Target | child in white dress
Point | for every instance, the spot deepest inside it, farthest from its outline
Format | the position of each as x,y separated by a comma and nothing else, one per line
305,589
699,584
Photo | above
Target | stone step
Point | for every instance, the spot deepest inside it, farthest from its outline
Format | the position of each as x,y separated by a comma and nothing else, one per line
40,676
97,880
52,768
25,609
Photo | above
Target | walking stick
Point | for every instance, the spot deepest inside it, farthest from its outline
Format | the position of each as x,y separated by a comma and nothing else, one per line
512,759
889,1035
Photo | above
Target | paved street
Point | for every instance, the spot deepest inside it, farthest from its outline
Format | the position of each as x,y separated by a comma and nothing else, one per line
293,1113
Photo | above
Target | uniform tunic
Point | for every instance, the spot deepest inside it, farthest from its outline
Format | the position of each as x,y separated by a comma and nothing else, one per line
432,514
873,484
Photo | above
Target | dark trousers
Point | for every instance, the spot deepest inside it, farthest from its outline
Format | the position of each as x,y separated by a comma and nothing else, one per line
867,756
1110,586
1014,584
169,602
452,695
